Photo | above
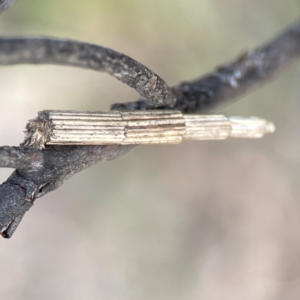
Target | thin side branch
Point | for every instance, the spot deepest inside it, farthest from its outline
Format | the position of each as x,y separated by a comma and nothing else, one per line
233,80
40,50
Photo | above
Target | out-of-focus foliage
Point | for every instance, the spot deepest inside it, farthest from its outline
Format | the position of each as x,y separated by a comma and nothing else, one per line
202,220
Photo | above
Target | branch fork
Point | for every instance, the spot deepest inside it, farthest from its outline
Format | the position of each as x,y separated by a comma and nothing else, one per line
38,172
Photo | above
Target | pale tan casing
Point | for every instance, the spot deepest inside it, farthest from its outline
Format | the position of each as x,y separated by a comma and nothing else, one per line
148,127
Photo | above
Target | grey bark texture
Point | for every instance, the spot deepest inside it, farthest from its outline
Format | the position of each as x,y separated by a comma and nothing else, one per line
233,80
71,53
40,172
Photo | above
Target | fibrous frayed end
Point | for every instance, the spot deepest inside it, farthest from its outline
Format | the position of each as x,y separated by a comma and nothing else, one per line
38,132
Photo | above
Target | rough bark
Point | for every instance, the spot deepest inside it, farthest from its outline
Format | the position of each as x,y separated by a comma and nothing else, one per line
235,79
40,50
39,172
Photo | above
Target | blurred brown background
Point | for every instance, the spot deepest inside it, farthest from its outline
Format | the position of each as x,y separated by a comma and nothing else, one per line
202,220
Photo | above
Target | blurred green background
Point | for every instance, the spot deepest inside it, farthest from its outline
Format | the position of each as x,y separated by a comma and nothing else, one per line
201,220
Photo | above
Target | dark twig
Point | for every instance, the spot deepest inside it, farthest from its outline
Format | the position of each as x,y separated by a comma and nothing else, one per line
19,158
71,53
47,171
234,80
39,172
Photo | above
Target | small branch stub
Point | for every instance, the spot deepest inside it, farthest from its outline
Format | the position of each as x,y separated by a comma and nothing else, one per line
136,127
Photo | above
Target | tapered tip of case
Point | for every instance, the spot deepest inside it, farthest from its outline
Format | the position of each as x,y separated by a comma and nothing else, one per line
270,127
250,127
